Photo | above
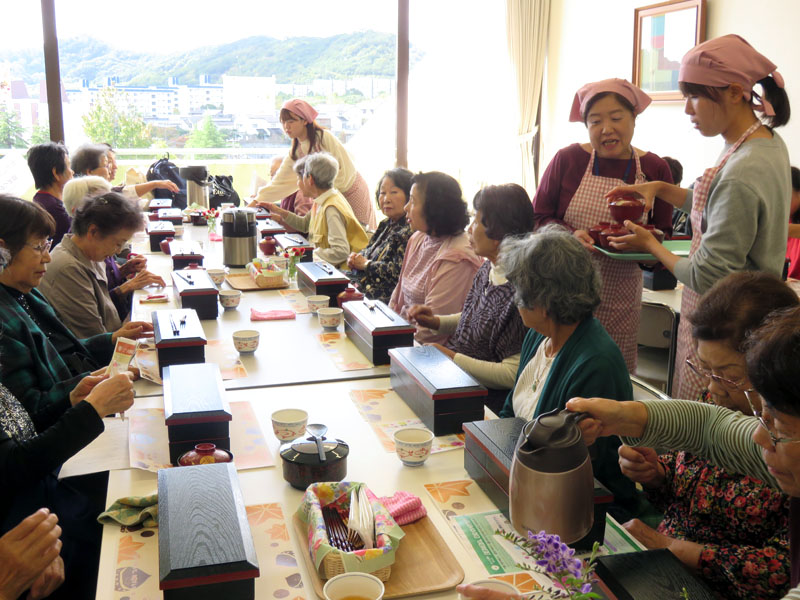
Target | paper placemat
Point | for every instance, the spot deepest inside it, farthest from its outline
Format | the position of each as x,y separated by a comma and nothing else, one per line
107,452
149,444
225,356
372,405
136,567
343,352
297,301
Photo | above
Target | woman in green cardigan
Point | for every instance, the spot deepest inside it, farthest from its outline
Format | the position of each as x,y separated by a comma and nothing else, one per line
567,352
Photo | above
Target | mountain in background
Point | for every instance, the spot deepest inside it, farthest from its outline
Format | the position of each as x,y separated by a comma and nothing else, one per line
293,60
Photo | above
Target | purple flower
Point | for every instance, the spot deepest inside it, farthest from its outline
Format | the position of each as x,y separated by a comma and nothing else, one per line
586,588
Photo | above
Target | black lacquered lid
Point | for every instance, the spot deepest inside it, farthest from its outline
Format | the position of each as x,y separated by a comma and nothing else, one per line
303,451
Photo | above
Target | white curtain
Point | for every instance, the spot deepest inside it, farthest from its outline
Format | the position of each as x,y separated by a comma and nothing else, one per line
526,24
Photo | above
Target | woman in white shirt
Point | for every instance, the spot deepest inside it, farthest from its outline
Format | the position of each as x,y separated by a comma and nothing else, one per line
308,137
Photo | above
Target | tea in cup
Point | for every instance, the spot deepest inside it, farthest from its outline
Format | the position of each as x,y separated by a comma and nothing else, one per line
353,586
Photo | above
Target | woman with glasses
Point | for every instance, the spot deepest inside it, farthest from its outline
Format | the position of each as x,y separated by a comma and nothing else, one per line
76,283
765,446
42,359
298,118
700,500
566,351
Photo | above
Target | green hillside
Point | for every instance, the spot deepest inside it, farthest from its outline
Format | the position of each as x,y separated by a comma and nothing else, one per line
293,60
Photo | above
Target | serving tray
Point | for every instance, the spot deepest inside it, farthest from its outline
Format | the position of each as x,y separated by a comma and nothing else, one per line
246,283
423,563
677,247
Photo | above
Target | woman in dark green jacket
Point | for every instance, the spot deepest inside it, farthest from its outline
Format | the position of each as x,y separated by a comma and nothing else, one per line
566,353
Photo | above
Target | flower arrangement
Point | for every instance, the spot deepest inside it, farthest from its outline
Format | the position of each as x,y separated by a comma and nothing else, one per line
557,560
211,215
293,255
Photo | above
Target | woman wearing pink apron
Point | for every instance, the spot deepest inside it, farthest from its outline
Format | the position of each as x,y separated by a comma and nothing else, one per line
298,120
576,181
740,207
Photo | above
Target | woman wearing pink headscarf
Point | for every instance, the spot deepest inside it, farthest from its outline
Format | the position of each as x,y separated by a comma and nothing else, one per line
574,185
740,207
298,119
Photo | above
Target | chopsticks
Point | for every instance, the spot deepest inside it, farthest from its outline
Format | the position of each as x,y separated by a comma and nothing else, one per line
337,530
297,240
175,330
372,305
186,279
325,268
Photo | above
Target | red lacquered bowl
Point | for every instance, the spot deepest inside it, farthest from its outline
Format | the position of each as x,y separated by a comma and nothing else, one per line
205,454
657,233
626,209
595,230
612,231
164,244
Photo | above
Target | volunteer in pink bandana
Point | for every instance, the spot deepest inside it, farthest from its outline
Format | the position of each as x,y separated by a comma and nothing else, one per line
573,188
740,206
298,120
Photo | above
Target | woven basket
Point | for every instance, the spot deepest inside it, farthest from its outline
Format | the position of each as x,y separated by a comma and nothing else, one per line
332,566
269,280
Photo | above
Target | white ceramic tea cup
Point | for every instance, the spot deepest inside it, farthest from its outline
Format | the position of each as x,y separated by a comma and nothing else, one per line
245,340
353,585
289,423
230,298
413,445
317,302
330,317
495,585
217,275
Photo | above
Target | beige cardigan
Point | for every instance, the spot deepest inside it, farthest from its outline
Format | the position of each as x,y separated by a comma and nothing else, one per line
77,289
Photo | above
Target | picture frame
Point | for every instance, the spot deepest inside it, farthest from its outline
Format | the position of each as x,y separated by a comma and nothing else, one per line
662,34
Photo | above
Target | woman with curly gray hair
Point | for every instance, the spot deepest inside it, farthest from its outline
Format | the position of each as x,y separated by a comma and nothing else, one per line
566,353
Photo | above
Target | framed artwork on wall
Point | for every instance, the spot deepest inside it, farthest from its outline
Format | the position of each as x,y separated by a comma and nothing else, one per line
662,34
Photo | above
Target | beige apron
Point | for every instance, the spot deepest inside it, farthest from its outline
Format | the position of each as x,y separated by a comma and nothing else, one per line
687,384
621,294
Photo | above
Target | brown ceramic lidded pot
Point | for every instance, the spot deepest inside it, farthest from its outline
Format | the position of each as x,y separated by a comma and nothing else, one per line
348,295
205,454
268,245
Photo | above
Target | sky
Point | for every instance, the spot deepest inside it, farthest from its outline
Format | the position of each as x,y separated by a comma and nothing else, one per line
164,26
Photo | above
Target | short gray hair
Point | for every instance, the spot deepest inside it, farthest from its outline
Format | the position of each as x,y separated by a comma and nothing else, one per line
322,168
78,188
550,269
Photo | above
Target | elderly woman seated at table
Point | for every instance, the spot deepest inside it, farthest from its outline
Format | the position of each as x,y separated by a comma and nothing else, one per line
49,165
567,352
377,267
76,284
439,265
331,225
700,500
763,446
42,360
123,278
486,336
94,159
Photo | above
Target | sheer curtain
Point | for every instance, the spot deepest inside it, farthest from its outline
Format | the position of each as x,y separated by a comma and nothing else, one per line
526,25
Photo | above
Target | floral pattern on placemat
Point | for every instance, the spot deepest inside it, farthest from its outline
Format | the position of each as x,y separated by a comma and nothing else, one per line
136,567
371,405
225,356
297,301
343,352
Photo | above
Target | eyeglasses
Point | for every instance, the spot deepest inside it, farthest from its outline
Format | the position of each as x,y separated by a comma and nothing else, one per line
727,383
754,398
41,248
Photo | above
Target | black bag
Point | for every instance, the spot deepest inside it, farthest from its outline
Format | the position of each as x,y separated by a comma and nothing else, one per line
164,169
220,191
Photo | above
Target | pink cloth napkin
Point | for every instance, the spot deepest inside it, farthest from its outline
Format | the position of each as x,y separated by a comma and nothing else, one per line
214,237
404,507
271,315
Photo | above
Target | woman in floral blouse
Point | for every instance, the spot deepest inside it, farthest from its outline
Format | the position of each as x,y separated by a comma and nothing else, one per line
377,267
730,528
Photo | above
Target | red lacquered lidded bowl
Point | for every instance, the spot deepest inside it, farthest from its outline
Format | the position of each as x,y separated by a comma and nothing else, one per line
205,454
612,231
595,230
657,233
626,208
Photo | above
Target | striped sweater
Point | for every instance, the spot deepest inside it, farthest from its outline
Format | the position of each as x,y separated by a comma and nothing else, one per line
722,436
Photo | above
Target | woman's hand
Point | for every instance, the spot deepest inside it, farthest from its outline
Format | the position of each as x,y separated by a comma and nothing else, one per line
585,239
26,551
113,395
85,386
646,192
49,581
133,265
640,240
133,330
275,212
141,280
446,351
609,417
649,537
357,261
166,184
423,315
481,593
641,465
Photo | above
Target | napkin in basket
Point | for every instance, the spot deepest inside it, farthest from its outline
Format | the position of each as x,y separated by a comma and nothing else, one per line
271,315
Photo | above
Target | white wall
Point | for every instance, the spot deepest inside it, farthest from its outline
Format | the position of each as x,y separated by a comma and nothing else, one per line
591,40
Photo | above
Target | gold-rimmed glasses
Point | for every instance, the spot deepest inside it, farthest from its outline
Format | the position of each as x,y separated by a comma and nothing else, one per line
766,420
727,383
